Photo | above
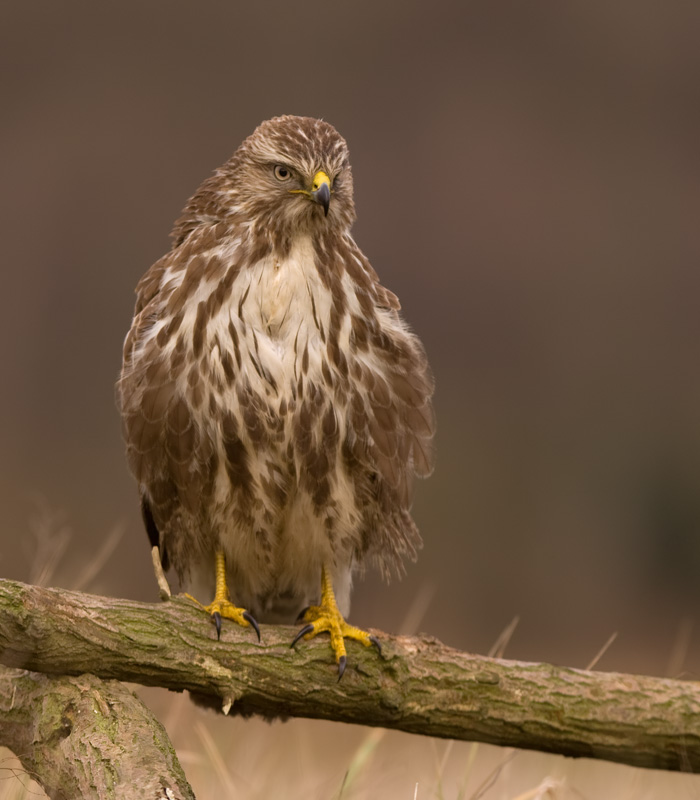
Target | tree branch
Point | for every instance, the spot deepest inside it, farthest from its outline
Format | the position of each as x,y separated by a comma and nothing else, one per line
76,736
417,684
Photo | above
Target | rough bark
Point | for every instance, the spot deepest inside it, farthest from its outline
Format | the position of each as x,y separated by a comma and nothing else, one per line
416,685
89,738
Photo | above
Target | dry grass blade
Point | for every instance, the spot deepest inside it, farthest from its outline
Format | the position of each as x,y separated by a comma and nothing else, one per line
360,760
471,758
417,610
603,650
215,759
17,783
680,648
441,765
548,788
95,565
493,775
499,646
51,537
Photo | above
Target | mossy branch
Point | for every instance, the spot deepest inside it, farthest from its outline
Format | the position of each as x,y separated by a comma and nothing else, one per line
417,684
85,737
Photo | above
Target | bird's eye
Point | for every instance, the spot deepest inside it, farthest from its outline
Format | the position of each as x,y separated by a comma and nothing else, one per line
282,173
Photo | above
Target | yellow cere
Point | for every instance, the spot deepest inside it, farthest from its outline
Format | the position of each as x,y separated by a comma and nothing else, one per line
319,179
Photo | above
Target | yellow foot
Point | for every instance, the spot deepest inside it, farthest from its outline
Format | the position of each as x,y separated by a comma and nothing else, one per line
219,608
327,617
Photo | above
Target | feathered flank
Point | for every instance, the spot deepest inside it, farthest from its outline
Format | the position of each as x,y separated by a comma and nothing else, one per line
275,405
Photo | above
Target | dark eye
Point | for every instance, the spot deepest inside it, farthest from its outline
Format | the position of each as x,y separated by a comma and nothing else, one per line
282,173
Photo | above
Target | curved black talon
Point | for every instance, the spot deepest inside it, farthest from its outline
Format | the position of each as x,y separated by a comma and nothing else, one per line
376,643
306,629
217,621
342,662
251,620
302,614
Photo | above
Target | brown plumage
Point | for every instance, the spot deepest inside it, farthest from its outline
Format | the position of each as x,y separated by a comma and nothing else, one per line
276,408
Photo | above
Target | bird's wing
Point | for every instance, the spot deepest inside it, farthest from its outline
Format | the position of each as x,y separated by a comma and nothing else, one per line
391,406
391,423
168,453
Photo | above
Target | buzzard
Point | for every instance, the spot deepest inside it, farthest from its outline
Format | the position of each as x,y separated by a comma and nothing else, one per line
275,406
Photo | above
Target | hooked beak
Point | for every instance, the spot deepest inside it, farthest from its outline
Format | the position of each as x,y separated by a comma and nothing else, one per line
321,190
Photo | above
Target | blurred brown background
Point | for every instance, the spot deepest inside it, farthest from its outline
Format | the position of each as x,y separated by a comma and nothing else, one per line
527,181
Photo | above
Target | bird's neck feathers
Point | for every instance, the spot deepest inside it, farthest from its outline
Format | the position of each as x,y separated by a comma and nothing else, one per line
257,241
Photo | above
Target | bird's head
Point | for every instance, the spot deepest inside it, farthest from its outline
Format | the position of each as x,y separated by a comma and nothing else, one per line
291,175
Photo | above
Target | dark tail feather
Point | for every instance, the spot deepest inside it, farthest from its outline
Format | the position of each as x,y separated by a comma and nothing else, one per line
152,531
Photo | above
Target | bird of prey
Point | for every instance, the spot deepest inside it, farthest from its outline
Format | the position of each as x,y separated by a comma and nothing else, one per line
275,405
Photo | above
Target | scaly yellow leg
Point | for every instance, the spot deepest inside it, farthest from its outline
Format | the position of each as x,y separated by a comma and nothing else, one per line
327,617
221,606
